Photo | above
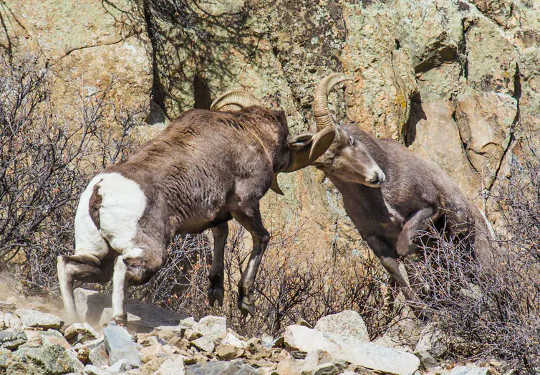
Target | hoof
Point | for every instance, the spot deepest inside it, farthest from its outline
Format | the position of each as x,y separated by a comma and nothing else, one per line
120,320
403,248
246,307
215,295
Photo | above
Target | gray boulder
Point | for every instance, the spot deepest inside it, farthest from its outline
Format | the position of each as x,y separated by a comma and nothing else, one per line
221,368
120,345
90,304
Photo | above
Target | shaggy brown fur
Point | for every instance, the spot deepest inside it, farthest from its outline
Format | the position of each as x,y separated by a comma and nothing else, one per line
202,170
410,192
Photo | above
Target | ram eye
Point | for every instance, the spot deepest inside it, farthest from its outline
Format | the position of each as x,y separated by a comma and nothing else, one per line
351,141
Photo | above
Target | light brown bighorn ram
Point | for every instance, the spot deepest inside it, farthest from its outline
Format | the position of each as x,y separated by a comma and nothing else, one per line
205,168
390,193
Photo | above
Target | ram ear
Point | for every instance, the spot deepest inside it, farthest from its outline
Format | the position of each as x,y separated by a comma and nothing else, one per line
306,148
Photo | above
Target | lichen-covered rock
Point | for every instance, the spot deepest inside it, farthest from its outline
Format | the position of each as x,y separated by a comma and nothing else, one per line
5,356
402,55
48,359
437,139
227,352
379,98
37,319
50,337
12,338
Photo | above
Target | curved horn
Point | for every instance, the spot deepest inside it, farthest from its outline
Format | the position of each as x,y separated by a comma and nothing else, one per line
320,99
238,98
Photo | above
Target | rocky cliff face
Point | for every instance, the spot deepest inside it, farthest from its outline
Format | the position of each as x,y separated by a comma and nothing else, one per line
456,81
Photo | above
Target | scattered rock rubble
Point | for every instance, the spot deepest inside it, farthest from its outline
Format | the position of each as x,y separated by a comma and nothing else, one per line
34,342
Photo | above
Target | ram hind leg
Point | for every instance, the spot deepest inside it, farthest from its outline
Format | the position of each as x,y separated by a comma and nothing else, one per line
215,289
81,268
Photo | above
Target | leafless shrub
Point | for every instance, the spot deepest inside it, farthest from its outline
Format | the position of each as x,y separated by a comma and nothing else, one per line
490,308
182,278
289,286
45,161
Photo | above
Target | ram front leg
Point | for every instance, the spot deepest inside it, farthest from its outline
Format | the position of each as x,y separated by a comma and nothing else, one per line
417,222
119,291
250,218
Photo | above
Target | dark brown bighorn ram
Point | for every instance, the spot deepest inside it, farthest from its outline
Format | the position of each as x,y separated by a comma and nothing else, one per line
205,168
389,193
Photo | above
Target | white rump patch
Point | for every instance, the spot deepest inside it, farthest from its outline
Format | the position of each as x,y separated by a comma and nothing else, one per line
88,240
123,203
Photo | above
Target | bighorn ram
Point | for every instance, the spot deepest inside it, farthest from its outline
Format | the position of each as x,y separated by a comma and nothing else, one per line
389,193
205,168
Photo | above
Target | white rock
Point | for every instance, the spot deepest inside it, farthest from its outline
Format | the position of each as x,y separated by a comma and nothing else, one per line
352,350
214,327
187,323
306,339
204,343
468,370
173,365
345,323
232,339
377,357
